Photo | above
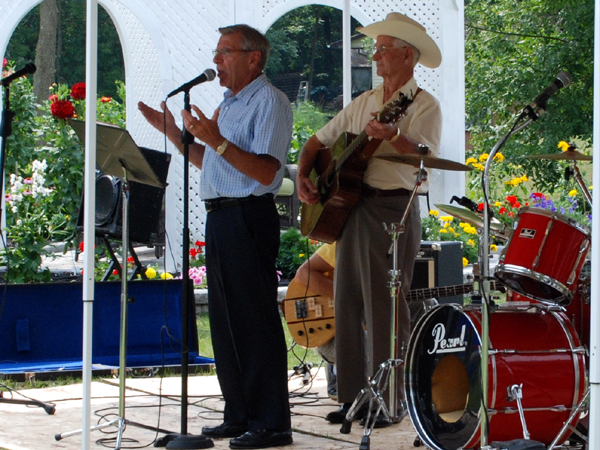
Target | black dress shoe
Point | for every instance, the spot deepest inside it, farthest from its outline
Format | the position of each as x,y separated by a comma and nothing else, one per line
339,415
225,430
262,439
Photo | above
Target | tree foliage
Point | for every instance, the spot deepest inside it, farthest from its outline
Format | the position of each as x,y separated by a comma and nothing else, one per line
71,46
514,49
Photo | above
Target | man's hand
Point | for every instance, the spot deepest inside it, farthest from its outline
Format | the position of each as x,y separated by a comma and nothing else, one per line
307,192
205,129
157,120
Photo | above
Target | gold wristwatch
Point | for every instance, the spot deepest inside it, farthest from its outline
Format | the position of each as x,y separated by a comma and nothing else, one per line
221,148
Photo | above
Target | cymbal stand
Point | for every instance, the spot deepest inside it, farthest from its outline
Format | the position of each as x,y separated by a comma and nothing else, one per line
386,373
581,183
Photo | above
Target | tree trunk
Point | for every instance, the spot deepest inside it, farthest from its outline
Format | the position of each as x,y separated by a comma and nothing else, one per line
46,52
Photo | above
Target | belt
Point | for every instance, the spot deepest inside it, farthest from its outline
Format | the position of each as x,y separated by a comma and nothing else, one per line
370,192
216,204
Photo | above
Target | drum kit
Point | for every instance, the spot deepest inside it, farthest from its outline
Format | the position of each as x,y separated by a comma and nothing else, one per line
535,390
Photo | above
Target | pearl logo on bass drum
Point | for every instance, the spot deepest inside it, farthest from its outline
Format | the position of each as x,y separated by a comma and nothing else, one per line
450,345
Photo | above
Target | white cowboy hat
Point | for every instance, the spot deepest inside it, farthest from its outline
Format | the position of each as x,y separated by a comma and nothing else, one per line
399,26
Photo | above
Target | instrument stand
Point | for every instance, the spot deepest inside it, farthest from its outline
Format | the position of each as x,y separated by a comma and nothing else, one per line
48,407
128,162
138,268
386,373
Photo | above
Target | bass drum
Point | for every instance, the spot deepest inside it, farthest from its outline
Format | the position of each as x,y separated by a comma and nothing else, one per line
536,348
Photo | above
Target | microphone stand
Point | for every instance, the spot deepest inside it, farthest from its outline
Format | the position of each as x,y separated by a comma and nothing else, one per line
184,440
484,250
5,132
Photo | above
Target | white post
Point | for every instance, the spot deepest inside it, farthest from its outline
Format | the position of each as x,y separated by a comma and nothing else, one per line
89,224
594,422
347,53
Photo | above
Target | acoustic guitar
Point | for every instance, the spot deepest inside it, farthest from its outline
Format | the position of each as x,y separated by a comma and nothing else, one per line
311,317
338,175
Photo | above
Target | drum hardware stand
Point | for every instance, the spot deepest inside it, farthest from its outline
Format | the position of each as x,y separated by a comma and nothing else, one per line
567,423
515,392
579,180
386,373
138,268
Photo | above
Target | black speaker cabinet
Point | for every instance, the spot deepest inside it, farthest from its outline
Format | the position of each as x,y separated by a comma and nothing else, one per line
145,203
439,264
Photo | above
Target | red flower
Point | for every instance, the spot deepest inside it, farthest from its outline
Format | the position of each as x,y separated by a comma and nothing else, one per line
480,206
4,63
200,244
502,210
63,109
511,214
537,195
194,252
115,272
130,259
511,199
53,98
78,91
516,205
105,99
81,247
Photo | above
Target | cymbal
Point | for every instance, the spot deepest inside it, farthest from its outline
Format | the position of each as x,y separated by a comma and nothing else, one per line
471,217
569,155
428,161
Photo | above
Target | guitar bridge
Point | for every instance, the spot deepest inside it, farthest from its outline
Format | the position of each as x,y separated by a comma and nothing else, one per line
301,309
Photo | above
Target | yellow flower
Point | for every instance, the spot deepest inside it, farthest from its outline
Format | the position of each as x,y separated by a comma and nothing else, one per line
463,224
470,161
498,204
451,230
493,247
471,242
564,146
479,166
443,230
484,157
470,229
434,213
150,273
301,255
166,276
446,218
465,262
572,192
447,225
499,157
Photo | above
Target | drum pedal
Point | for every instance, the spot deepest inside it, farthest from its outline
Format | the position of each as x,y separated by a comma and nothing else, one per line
518,444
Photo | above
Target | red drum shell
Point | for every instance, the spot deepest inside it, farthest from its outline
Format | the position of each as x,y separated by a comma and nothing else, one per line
544,256
537,348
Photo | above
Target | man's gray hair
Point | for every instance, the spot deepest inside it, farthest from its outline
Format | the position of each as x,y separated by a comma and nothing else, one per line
416,52
252,39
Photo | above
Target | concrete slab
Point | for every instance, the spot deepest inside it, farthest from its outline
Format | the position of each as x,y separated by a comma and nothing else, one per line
153,402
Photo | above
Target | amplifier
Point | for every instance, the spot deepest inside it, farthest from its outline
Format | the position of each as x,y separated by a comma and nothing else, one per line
438,264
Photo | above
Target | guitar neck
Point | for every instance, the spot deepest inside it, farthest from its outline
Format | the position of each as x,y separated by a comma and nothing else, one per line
442,291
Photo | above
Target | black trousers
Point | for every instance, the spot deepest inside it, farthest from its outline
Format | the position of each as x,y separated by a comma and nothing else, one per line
242,243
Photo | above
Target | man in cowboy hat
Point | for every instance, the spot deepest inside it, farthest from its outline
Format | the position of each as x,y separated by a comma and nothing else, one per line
362,295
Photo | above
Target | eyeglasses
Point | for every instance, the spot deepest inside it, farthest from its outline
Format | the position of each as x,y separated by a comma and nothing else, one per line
227,51
383,49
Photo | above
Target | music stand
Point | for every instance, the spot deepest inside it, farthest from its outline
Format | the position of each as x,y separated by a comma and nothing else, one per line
118,155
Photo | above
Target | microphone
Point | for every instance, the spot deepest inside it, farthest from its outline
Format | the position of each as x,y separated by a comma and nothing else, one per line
27,70
563,79
207,75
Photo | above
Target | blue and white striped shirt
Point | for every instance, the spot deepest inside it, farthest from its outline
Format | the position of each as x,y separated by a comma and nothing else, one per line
259,120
